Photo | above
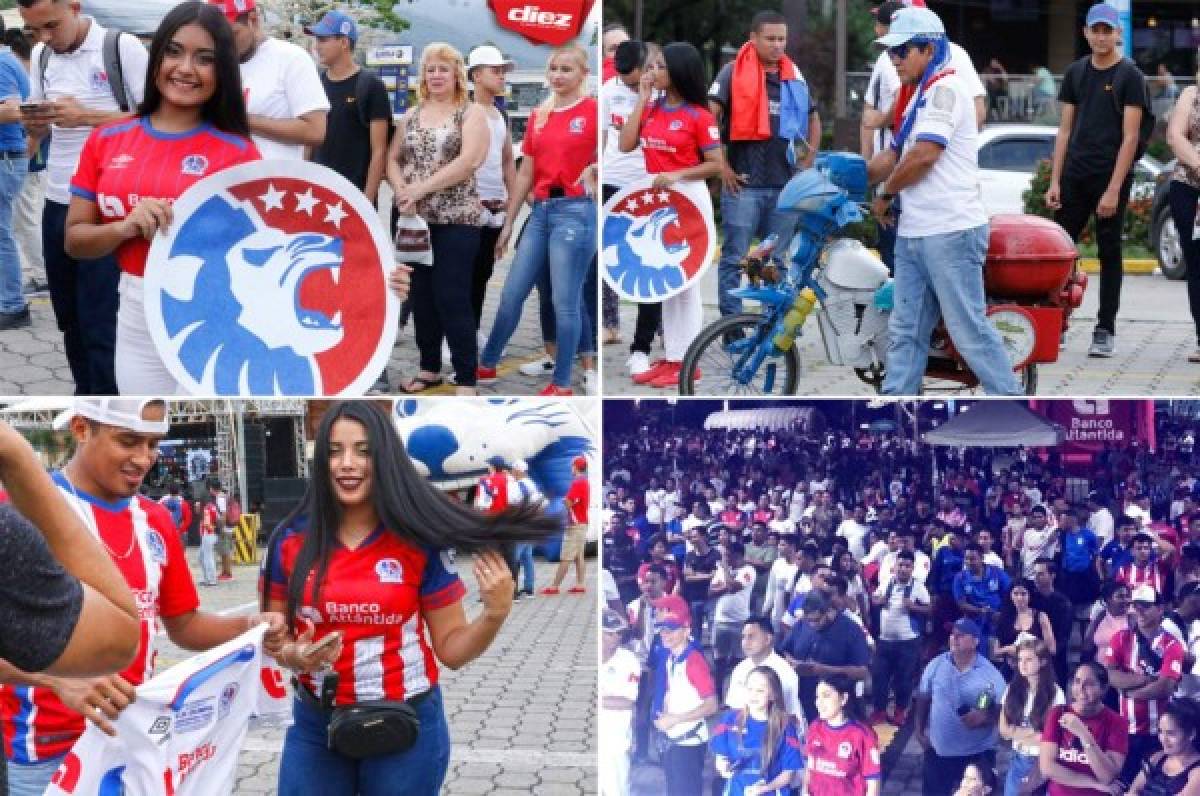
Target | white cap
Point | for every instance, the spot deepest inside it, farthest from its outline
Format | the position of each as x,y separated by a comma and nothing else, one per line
520,464
120,412
1144,594
487,55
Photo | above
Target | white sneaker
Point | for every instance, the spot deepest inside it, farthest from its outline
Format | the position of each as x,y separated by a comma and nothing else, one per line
480,339
637,363
590,382
538,367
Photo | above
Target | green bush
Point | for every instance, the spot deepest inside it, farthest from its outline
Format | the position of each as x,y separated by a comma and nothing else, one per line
1137,214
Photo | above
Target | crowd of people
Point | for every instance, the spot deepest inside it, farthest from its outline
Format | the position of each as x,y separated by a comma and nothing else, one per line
775,597
91,111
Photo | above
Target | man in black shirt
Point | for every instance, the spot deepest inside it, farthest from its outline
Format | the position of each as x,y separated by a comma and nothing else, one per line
699,566
355,144
1103,97
1057,607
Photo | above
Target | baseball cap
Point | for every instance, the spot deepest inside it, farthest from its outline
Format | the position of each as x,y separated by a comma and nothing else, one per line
968,626
1103,14
673,613
234,8
334,23
579,463
497,461
815,602
910,23
120,412
487,55
1144,594
520,464
885,12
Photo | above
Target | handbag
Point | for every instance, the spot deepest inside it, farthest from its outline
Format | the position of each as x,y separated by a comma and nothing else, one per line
372,729
412,241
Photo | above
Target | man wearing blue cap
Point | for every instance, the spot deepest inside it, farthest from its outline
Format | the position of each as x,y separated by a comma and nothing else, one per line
957,710
1103,100
355,144
942,235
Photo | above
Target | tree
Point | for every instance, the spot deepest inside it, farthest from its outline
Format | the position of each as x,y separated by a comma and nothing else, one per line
290,16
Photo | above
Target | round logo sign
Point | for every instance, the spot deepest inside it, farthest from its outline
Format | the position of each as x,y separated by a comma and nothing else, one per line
1018,332
272,280
657,242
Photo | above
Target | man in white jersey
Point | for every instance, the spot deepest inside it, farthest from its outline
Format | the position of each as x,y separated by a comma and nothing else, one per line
73,93
285,101
942,236
116,445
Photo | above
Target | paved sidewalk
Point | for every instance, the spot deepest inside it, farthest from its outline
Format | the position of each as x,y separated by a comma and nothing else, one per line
522,718
1155,334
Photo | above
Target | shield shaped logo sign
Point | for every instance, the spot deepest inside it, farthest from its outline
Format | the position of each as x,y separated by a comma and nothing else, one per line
656,242
272,280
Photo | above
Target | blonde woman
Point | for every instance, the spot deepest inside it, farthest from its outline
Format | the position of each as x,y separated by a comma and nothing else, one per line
559,169
439,145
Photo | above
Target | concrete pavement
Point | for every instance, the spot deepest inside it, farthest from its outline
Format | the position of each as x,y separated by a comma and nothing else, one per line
1155,334
522,718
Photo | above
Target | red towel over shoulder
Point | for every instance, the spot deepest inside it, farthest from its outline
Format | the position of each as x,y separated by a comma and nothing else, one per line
750,118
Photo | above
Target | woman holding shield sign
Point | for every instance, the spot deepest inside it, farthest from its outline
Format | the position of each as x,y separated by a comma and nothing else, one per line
680,142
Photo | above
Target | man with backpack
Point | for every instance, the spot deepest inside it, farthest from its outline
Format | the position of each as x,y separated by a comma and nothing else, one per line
360,116
904,606
1104,127
81,76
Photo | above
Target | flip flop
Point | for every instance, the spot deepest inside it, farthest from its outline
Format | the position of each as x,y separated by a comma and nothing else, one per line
422,383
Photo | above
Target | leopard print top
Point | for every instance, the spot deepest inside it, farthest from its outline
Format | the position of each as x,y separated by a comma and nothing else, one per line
1183,173
425,150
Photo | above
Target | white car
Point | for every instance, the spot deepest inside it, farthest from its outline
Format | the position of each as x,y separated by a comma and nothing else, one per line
1008,157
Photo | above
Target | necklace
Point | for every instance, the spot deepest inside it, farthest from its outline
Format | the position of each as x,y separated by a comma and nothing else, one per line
90,521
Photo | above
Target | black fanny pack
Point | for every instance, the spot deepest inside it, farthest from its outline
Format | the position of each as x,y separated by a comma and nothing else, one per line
366,729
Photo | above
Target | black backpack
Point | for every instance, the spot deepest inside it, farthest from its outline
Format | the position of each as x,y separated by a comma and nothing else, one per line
362,95
1146,129
112,68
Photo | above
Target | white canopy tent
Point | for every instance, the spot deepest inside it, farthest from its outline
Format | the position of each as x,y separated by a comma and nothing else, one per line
997,424
766,418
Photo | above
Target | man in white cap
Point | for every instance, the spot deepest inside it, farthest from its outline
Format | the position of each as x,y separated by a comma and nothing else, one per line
942,237
116,444
356,130
526,492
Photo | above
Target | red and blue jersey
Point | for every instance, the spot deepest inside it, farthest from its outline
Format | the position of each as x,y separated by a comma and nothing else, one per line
677,138
376,596
128,160
142,541
841,759
741,741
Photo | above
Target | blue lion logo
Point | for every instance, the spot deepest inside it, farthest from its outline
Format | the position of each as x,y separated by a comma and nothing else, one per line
637,256
243,328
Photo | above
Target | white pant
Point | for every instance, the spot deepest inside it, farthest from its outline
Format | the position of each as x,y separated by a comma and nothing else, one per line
27,225
139,368
208,561
614,771
682,320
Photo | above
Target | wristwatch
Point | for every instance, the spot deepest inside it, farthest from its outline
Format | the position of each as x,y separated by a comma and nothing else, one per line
887,197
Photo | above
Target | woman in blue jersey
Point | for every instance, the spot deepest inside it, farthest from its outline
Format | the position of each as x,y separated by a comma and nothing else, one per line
757,748
364,570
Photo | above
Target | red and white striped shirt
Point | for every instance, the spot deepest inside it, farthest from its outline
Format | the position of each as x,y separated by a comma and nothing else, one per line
1123,653
1152,574
141,538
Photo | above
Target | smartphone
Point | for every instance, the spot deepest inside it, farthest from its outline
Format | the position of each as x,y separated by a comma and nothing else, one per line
320,646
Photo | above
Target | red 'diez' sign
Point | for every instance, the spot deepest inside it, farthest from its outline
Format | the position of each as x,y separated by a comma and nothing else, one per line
552,22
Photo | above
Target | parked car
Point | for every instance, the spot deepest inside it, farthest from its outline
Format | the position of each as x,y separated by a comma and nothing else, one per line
1164,238
1008,157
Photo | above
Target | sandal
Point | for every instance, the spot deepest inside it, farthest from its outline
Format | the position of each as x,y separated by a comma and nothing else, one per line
419,384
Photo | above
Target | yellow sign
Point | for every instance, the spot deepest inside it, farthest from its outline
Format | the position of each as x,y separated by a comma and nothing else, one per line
245,539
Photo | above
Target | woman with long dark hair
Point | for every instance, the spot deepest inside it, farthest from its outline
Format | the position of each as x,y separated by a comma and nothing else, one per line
1018,621
364,570
193,117
1175,771
840,741
679,141
757,748
1029,696
1083,742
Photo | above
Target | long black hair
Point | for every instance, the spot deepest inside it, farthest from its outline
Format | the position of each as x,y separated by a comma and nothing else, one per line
406,503
685,69
226,108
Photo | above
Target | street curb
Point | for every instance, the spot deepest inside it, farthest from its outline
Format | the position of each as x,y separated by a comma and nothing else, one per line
1091,265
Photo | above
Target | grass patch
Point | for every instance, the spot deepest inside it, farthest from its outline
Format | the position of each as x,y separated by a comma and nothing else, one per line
1129,251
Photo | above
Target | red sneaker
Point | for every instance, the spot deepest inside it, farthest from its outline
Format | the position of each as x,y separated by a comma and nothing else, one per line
899,716
552,389
485,375
878,717
670,378
649,373
577,590
550,591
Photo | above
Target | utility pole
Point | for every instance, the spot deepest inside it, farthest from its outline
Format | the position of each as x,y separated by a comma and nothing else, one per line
839,75
637,19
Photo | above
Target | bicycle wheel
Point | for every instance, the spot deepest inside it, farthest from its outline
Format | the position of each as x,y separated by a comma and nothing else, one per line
725,348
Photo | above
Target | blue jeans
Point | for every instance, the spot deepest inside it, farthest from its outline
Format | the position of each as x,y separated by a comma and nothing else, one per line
942,275
747,215
1019,767
84,296
587,327
559,237
525,561
32,779
309,768
12,178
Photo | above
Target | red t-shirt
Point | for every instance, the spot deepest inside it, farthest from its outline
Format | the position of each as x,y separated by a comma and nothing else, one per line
210,519
1122,653
128,160
1106,727
577,499
677,138
495,488
1154,574
840,759
142,541
562,148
